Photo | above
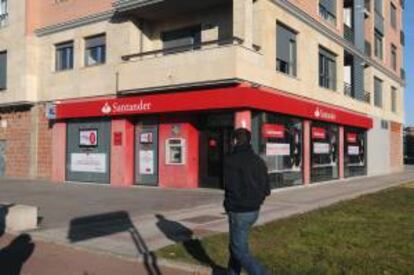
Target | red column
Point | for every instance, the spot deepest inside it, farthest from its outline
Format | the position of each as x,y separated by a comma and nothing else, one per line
306,152
341,152
59,151
243,119
179,175
122,153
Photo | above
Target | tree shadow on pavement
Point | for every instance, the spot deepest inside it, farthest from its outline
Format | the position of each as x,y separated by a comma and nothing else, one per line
89,227
181,234
13,256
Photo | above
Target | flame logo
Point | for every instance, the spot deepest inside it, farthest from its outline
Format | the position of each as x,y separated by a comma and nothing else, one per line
317,112
106,109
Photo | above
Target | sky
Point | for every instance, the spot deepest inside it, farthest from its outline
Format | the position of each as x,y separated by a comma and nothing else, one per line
409,61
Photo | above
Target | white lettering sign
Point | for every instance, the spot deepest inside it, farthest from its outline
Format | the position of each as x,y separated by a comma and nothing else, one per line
323,114
277,149
320,148
92,163
117,107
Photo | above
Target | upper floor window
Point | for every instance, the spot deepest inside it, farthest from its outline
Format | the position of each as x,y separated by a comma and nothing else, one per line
378,6
393,16
3,13
286,50
181,39
378,92
393,99
95,50
327,69
327,10
3,70
378,45
394,57
64,56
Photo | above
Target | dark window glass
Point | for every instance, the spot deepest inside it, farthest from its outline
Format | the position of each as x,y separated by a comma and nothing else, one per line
95,50
182,39
281,147
327,10
378,92
378,6
394,57
286,50
327,69
378,45
324,152
393,99
355,152
64,56
393,16
3,70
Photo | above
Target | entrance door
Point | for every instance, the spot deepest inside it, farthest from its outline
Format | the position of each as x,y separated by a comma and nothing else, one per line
146,155
2,158
216,144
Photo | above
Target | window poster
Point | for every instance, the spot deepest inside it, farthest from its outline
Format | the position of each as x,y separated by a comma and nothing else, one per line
88,163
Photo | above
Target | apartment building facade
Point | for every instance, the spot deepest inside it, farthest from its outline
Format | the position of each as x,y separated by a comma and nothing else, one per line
147,92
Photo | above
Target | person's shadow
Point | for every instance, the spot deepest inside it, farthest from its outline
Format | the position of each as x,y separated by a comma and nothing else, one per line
13,256
180,234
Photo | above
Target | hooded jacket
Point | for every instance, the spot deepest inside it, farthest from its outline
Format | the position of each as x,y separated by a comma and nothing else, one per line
246,181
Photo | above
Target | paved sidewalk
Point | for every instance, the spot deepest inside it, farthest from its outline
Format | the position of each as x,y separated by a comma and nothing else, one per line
116,227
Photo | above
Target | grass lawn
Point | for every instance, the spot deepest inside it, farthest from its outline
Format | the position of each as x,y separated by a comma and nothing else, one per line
373,234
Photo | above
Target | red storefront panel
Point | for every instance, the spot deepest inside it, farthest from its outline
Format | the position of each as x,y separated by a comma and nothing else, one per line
225,98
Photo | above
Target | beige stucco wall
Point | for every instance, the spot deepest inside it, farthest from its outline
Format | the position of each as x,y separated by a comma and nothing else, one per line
21,57
212,63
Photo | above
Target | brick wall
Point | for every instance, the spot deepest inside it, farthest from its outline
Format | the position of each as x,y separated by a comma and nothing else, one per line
44,145
15,130
396,144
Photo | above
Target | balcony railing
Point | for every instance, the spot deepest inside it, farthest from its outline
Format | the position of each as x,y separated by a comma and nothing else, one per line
367,97
4,19
183,48
348,33
348,89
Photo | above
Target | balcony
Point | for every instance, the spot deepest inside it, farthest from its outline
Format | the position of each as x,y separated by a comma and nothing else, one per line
158,9
208,63
348,33
348,89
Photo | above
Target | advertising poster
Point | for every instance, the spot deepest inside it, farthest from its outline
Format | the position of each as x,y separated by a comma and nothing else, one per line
353,150
321,148
146,162
277,149
88,137
92,163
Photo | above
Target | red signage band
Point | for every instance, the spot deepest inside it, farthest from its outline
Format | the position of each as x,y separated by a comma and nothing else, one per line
213,99
351,137
273,131
318,133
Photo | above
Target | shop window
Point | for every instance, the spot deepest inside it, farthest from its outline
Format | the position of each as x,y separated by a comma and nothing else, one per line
184,39
64,56
324,156
327,10
355,152
3,71
327,69
281,148
378,92
286,50
95,50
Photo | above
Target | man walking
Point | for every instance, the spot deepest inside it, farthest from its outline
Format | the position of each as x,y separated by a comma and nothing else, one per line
246,187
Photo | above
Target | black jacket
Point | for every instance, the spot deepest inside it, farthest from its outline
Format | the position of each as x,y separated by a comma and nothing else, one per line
246,182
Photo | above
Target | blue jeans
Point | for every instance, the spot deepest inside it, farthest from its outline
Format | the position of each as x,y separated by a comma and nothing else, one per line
240,257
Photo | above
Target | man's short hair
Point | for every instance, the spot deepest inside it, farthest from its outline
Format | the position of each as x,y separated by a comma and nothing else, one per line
242,136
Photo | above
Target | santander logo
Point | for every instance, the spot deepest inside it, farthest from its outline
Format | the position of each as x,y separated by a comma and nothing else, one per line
122,108
106,109
323,114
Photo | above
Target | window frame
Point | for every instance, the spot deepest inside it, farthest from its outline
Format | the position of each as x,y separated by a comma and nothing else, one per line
378,45
393,99
194,31
326,14
291,61
3,87
327,69
393,15
378,94
101,47
68,49
394,57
